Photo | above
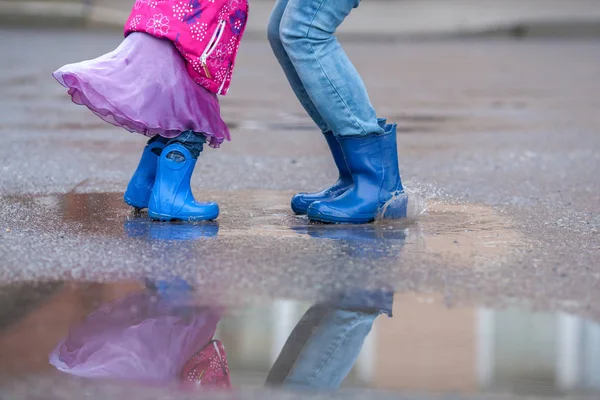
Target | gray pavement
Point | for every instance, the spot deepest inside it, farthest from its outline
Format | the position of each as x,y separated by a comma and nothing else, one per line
377,18
501,138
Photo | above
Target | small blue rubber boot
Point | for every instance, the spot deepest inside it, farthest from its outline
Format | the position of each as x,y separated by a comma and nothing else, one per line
138,190
301,201
172,198
174,293
373,164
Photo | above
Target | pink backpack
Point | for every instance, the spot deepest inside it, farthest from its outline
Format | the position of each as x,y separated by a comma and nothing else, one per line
207,33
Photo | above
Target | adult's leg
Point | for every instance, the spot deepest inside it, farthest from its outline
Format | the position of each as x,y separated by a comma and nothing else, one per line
274,36
322,349
301,201
295,344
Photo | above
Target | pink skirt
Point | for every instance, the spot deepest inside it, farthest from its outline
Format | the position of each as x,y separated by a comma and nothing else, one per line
144,87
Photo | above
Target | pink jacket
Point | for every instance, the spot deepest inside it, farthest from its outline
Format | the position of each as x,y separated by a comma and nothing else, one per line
207,33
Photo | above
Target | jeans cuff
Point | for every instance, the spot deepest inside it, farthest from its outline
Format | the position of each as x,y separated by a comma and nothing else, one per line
158,138
192,141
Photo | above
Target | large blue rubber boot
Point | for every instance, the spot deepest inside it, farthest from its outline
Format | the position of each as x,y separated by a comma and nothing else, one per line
301,201
377,190
140,186
172,198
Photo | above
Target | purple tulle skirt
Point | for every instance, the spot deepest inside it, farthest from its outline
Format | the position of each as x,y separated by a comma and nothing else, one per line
144,87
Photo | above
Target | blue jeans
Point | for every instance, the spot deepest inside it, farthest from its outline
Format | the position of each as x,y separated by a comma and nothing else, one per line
193,141
301,33
322,348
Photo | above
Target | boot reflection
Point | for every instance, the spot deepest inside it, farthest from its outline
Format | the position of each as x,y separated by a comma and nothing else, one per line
326,342
144,228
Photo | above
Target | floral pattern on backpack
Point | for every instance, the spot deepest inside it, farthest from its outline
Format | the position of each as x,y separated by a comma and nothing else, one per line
207,33
208,368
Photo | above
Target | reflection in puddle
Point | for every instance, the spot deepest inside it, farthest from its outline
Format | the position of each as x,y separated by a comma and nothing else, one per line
143,227
424,347
146,337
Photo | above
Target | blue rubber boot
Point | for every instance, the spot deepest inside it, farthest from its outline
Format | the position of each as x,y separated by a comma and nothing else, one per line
172,198
373,164
301,201
138,190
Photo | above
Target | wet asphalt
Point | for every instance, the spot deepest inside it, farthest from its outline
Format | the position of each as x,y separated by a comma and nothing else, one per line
499,137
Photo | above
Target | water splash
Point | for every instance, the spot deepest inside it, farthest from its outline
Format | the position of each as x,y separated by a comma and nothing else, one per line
403,205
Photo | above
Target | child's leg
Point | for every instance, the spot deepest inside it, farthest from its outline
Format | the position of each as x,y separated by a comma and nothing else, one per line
193,141
158,138
140,185
171,197
336,89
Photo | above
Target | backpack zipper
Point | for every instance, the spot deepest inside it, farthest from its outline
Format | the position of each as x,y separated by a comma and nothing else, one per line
225,79
212,44
218,351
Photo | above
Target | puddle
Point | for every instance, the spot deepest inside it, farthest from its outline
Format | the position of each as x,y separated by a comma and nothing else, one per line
257,249
424,348
463,235
470,235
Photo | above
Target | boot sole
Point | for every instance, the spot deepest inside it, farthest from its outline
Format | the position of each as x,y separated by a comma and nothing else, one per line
340,220
168,218
133,204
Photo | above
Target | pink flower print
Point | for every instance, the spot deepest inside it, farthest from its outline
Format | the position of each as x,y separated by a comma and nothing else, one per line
234,4
188,11
224,91
199,31
224,14
237,21
214,364
135,21
197,66
219,55
202,81
221,74
158,25
155,3
140,3
181,9
231,46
